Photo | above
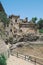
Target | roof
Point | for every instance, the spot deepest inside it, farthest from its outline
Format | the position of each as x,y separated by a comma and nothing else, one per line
15,16
23,21
27,23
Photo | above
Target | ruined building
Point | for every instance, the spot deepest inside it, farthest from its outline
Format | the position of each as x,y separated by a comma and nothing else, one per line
19,26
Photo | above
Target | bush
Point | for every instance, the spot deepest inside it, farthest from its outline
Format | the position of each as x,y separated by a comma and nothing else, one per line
40,30
2,60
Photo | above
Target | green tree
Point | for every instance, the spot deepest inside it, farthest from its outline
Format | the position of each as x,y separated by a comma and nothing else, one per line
34,19
40,23
4,19
2,60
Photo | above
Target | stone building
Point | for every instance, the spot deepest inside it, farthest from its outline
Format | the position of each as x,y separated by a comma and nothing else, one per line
19,26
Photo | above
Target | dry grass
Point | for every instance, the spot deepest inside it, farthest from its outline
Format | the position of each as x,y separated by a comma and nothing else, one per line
34,50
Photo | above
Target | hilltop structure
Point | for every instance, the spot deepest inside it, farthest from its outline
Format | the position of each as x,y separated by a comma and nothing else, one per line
18,27
21,26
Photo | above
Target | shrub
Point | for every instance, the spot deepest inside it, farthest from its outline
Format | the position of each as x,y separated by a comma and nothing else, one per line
40,30
2,60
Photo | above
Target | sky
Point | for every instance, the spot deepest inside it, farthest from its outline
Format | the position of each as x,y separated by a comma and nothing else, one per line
24,8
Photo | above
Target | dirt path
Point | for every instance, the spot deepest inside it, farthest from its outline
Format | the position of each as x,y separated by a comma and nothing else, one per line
17,61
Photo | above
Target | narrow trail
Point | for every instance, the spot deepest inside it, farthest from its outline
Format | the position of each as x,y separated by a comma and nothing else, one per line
12,60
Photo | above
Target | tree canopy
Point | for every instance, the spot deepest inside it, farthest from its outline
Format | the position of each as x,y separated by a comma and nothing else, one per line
40,23
34,19
4,18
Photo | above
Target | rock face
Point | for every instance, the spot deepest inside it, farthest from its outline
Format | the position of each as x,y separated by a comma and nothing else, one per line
23,38
3,48
28,37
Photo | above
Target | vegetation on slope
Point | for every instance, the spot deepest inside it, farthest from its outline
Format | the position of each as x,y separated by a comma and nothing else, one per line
2,60
4,18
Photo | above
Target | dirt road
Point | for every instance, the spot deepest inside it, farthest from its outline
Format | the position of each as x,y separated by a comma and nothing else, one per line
17,61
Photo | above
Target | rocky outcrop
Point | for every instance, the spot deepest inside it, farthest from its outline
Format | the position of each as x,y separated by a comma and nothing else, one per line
28,37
